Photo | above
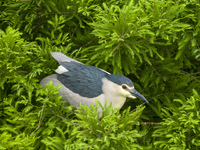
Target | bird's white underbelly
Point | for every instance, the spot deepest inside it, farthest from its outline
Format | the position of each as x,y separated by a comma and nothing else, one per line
75,99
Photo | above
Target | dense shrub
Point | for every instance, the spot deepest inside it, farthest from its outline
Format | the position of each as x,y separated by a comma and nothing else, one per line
153,42
180,129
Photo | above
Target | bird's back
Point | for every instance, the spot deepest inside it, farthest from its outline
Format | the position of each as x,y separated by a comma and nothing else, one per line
82,79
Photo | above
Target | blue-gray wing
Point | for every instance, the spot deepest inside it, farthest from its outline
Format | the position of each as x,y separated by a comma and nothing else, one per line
82,79
60,57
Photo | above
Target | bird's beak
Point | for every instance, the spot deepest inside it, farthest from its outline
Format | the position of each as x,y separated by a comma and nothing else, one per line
138,95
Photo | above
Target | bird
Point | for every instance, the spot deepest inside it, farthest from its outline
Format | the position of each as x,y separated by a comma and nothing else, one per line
83,84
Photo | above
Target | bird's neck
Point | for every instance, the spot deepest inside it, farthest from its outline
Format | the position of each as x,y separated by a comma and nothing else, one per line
112,95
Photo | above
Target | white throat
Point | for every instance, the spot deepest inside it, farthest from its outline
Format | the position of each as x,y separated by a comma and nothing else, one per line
113,93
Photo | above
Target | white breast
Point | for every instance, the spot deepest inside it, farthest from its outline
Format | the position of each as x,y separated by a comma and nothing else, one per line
113,93
73,98
110,93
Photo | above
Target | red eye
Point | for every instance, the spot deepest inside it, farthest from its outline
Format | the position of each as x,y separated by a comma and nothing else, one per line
124,86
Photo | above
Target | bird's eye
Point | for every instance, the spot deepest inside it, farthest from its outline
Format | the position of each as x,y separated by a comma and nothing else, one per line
124,86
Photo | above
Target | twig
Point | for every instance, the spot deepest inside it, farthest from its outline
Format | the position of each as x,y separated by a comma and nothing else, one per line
123,23
133,21
171,9
150,123
162,10
75,29
136,108
155,70
19,114
63,13
29,102
89,42
91,125
136,29
39,120
134,118
2,71
158,95
57,114
99,126
191,74
62,117
194,73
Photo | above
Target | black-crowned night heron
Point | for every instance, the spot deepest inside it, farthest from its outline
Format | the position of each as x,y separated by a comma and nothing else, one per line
84,84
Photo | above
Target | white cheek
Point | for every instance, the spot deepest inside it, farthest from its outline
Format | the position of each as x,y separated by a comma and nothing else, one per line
124,92
128,94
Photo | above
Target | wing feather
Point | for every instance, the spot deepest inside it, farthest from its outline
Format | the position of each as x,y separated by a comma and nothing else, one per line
79,78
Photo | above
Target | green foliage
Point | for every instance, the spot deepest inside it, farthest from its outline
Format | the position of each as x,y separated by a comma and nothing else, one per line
53,19
33,117
22,98
112,131
20,63
180,129
88,131
21,141
154,42
119,31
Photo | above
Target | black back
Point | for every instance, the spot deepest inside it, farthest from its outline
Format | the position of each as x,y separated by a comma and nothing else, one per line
82,79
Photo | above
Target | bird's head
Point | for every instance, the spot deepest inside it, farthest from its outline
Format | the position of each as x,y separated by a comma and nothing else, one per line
124,86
